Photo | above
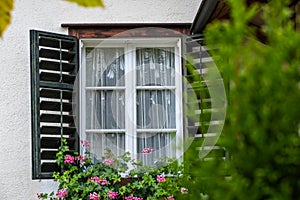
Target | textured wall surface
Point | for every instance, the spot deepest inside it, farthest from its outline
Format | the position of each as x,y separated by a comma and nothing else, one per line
48,15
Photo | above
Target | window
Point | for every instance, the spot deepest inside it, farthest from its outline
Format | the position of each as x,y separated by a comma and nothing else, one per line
131,96
126,93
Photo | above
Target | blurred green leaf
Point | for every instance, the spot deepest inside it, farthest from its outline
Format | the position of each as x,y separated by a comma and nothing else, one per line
6,6
88,3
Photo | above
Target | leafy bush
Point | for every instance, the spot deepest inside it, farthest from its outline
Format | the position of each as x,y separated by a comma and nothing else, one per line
84,177
261,133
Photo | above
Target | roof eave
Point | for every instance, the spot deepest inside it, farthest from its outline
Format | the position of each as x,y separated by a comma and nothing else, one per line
206,9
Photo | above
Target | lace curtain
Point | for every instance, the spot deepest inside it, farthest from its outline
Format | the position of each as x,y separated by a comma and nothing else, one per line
155,102
154,99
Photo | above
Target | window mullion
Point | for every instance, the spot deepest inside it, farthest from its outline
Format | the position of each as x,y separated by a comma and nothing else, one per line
82,93
178,98
134,100
130,95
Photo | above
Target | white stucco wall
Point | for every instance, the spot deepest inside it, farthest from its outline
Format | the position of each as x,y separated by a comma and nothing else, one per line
48,15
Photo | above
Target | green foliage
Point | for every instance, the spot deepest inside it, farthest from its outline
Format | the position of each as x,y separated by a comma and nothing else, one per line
88,3
6,6
83,176
261,132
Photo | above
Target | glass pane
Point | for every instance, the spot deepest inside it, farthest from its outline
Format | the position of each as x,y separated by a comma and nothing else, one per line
105,109
104,66
156,109
100,141
155,66
163,145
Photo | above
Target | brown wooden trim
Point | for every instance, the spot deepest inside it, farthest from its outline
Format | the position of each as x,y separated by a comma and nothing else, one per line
105,30
136,25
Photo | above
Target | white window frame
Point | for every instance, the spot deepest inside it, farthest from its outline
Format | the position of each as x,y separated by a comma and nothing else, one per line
130,46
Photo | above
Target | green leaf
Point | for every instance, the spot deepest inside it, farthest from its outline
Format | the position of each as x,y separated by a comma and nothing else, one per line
88,3
6,6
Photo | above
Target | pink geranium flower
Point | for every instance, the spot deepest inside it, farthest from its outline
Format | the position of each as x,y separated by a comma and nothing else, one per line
95,179
94,196
98,180
112,195
69,159
85,143
160,178
61,193
109,161
103,181
133,198
81,158
147,150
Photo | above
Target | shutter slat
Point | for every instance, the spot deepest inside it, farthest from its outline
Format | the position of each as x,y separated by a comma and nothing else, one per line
55,94
49,130
200,65
199,92
53,118
56,85
49,168
55,106
55,54
207,102
51,154
54,43
197,53
55,66
48,155
193,130
53,77
54,143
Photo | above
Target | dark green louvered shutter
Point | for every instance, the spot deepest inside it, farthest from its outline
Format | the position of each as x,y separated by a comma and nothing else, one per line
204,120
54,66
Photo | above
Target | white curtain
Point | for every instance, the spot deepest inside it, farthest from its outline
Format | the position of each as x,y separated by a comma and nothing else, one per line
105,107
155,101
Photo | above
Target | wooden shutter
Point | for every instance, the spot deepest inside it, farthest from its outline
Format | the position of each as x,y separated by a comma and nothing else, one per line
202,121
54,66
